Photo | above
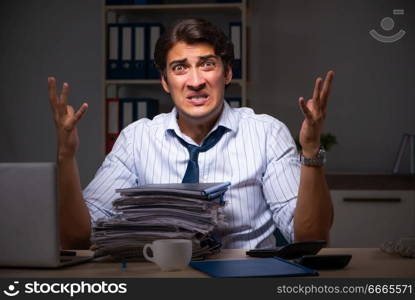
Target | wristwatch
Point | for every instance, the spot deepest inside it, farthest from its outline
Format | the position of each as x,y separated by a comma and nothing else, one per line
317,161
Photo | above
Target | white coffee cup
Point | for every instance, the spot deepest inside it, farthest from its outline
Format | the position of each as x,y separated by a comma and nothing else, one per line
169,254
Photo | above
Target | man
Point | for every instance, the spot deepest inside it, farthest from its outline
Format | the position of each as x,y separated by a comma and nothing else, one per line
205,140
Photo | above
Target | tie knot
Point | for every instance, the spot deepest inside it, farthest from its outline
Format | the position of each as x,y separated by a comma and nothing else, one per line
193,152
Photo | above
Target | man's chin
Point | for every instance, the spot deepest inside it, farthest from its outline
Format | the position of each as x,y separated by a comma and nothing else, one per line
200,113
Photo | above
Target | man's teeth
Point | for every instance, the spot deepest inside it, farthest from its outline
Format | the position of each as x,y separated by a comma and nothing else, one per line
198,97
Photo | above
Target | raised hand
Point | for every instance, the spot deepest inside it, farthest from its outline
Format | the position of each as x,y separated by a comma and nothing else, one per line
65,119
314,111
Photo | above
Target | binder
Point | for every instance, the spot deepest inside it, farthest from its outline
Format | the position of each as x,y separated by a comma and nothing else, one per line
126,40
147,108
132,109
111,125
113,52
235,33
234,102
130,50
119,48
256,267
139,52
154,30
126,112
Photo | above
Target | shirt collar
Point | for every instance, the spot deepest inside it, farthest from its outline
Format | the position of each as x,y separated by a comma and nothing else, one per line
228,119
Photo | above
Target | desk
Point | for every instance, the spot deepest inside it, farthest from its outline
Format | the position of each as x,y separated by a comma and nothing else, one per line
366,262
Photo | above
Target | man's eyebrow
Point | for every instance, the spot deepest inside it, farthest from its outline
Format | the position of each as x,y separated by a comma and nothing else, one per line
183,60
178,61
205,57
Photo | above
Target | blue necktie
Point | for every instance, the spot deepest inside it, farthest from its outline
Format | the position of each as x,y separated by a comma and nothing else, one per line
192,170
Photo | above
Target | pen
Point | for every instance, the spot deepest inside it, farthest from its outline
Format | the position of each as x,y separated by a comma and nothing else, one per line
123,266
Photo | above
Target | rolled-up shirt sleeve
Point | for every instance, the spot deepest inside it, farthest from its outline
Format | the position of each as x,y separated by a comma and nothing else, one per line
281,177
117,171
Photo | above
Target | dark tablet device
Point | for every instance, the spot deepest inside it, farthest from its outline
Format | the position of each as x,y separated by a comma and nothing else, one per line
327,262
290,251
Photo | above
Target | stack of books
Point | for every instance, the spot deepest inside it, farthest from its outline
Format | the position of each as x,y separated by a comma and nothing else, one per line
162,211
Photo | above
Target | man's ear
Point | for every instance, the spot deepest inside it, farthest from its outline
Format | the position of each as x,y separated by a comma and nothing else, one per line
164,83
228,75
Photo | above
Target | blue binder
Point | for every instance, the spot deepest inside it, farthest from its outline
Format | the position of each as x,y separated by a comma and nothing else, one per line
120,62
235,34
126,49
113,52
261,267
146,108
234,101
154,30
132,109
139,51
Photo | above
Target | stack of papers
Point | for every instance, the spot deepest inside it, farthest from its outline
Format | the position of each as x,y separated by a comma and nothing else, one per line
162,211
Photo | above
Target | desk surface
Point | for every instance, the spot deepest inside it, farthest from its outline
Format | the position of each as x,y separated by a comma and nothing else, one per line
366,262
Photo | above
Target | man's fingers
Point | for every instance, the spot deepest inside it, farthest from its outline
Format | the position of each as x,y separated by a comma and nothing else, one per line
63,100
304,109
56,105
53,98
326,89
73,117
316,92
64,94
81,111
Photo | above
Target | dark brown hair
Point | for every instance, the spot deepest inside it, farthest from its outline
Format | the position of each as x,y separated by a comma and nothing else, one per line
193,31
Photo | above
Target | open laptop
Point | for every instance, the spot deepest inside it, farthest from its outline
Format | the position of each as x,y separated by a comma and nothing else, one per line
29,231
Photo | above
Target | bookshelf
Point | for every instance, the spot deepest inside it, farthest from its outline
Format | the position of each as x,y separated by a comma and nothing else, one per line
220,14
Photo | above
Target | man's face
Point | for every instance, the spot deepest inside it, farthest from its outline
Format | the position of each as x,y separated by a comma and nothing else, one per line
196,80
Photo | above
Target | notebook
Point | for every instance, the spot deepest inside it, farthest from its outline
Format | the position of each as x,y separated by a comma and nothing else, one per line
257,267
29,235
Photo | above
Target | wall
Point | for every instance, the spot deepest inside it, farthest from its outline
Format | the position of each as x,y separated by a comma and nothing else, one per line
49,38
373,97
371,105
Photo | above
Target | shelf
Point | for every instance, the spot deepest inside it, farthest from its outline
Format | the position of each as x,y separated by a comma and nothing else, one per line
132,81
371,181
156,7
150,82
220,14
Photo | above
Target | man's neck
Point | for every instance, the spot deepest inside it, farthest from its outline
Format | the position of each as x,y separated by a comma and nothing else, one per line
198,129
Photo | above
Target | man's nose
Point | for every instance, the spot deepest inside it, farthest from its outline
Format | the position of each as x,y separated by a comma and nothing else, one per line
196,81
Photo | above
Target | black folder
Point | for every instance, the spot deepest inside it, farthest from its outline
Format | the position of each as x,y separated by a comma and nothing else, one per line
194,190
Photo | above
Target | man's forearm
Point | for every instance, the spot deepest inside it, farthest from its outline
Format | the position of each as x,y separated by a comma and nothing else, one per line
314,211
75,221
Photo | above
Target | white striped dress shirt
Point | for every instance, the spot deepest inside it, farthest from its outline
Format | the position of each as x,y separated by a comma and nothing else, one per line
257,155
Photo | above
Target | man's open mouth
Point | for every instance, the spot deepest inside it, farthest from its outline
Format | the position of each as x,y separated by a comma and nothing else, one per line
198,99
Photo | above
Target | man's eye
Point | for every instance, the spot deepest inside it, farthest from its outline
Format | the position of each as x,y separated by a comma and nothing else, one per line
178,68
208,64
